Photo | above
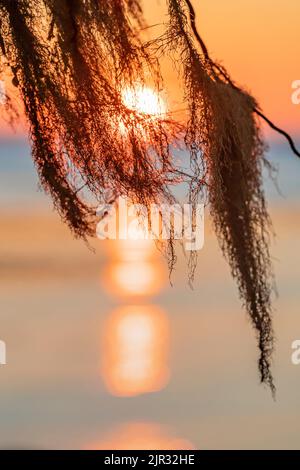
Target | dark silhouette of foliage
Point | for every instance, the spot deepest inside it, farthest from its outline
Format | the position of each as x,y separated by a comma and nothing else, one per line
223,131
71,60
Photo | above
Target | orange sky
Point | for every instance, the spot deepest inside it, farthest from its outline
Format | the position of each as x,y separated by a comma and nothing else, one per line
259,43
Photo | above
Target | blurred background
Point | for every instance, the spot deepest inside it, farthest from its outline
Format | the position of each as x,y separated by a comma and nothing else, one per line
102,352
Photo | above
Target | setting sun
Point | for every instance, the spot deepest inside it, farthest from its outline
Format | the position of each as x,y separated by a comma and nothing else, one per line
143,100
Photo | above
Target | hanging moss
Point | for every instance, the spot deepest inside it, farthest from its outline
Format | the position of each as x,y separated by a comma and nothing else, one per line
70,62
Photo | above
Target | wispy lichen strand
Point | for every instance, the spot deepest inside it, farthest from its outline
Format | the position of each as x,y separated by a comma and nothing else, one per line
223,130
70,62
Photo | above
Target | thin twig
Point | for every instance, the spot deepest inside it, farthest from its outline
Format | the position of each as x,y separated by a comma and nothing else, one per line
280,131
273,126
195,31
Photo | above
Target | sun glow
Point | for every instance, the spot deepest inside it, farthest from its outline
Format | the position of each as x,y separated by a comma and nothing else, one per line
136,350
143,100
134,278
141,435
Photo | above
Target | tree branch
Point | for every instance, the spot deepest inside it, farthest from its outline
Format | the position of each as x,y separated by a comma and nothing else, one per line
192,16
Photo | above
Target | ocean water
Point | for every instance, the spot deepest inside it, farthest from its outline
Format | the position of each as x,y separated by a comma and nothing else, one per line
102,352
19,183
18,179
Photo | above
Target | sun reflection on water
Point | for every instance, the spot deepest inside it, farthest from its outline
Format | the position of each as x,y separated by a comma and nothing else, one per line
136,278
136,336
136,349
141,436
